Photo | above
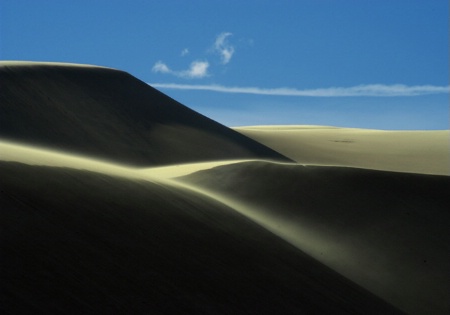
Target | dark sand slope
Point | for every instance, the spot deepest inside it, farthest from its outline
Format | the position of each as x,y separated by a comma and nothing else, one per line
387,231
111,115
86,243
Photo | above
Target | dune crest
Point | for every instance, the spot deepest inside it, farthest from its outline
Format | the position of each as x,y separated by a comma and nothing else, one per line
22,63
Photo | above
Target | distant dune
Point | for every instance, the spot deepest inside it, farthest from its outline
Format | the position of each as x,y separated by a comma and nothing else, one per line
115,198
417,151
109,114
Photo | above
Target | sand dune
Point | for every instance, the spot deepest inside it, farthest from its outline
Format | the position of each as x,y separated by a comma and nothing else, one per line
387,231
31,155
83,242
418,151
93,220
110,115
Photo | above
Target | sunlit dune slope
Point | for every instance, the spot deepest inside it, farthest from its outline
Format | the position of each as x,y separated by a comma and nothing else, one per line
417,151
387,231
109,114
79,242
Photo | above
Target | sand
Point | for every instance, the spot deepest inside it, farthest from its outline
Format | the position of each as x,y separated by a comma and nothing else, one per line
413,151
34,64
387,231
84,242
110,115
117,199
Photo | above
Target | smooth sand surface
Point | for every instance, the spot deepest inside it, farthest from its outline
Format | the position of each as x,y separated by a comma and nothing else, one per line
426,152
15,152
178,170
82,242
387,231
342,217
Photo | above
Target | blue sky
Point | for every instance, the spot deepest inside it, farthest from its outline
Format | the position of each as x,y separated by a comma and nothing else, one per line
351,63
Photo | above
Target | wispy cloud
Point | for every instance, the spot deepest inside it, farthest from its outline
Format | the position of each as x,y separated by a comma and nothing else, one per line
197,69
223,47
375,90
161,67
184,52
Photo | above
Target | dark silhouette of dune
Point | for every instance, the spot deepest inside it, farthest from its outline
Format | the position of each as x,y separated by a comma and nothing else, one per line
109,114
78,242
387,231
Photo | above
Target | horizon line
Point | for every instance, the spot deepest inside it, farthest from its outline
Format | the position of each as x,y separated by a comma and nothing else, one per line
373,90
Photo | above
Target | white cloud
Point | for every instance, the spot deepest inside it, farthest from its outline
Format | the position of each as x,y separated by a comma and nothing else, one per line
197,70
184,52
161,67
375,90
222,47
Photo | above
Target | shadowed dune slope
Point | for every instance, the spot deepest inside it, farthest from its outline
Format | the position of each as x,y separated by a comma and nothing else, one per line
87,243
386,231
412,151
109,114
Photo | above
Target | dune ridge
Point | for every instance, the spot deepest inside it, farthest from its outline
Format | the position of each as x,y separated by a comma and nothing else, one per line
38,156
22,63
